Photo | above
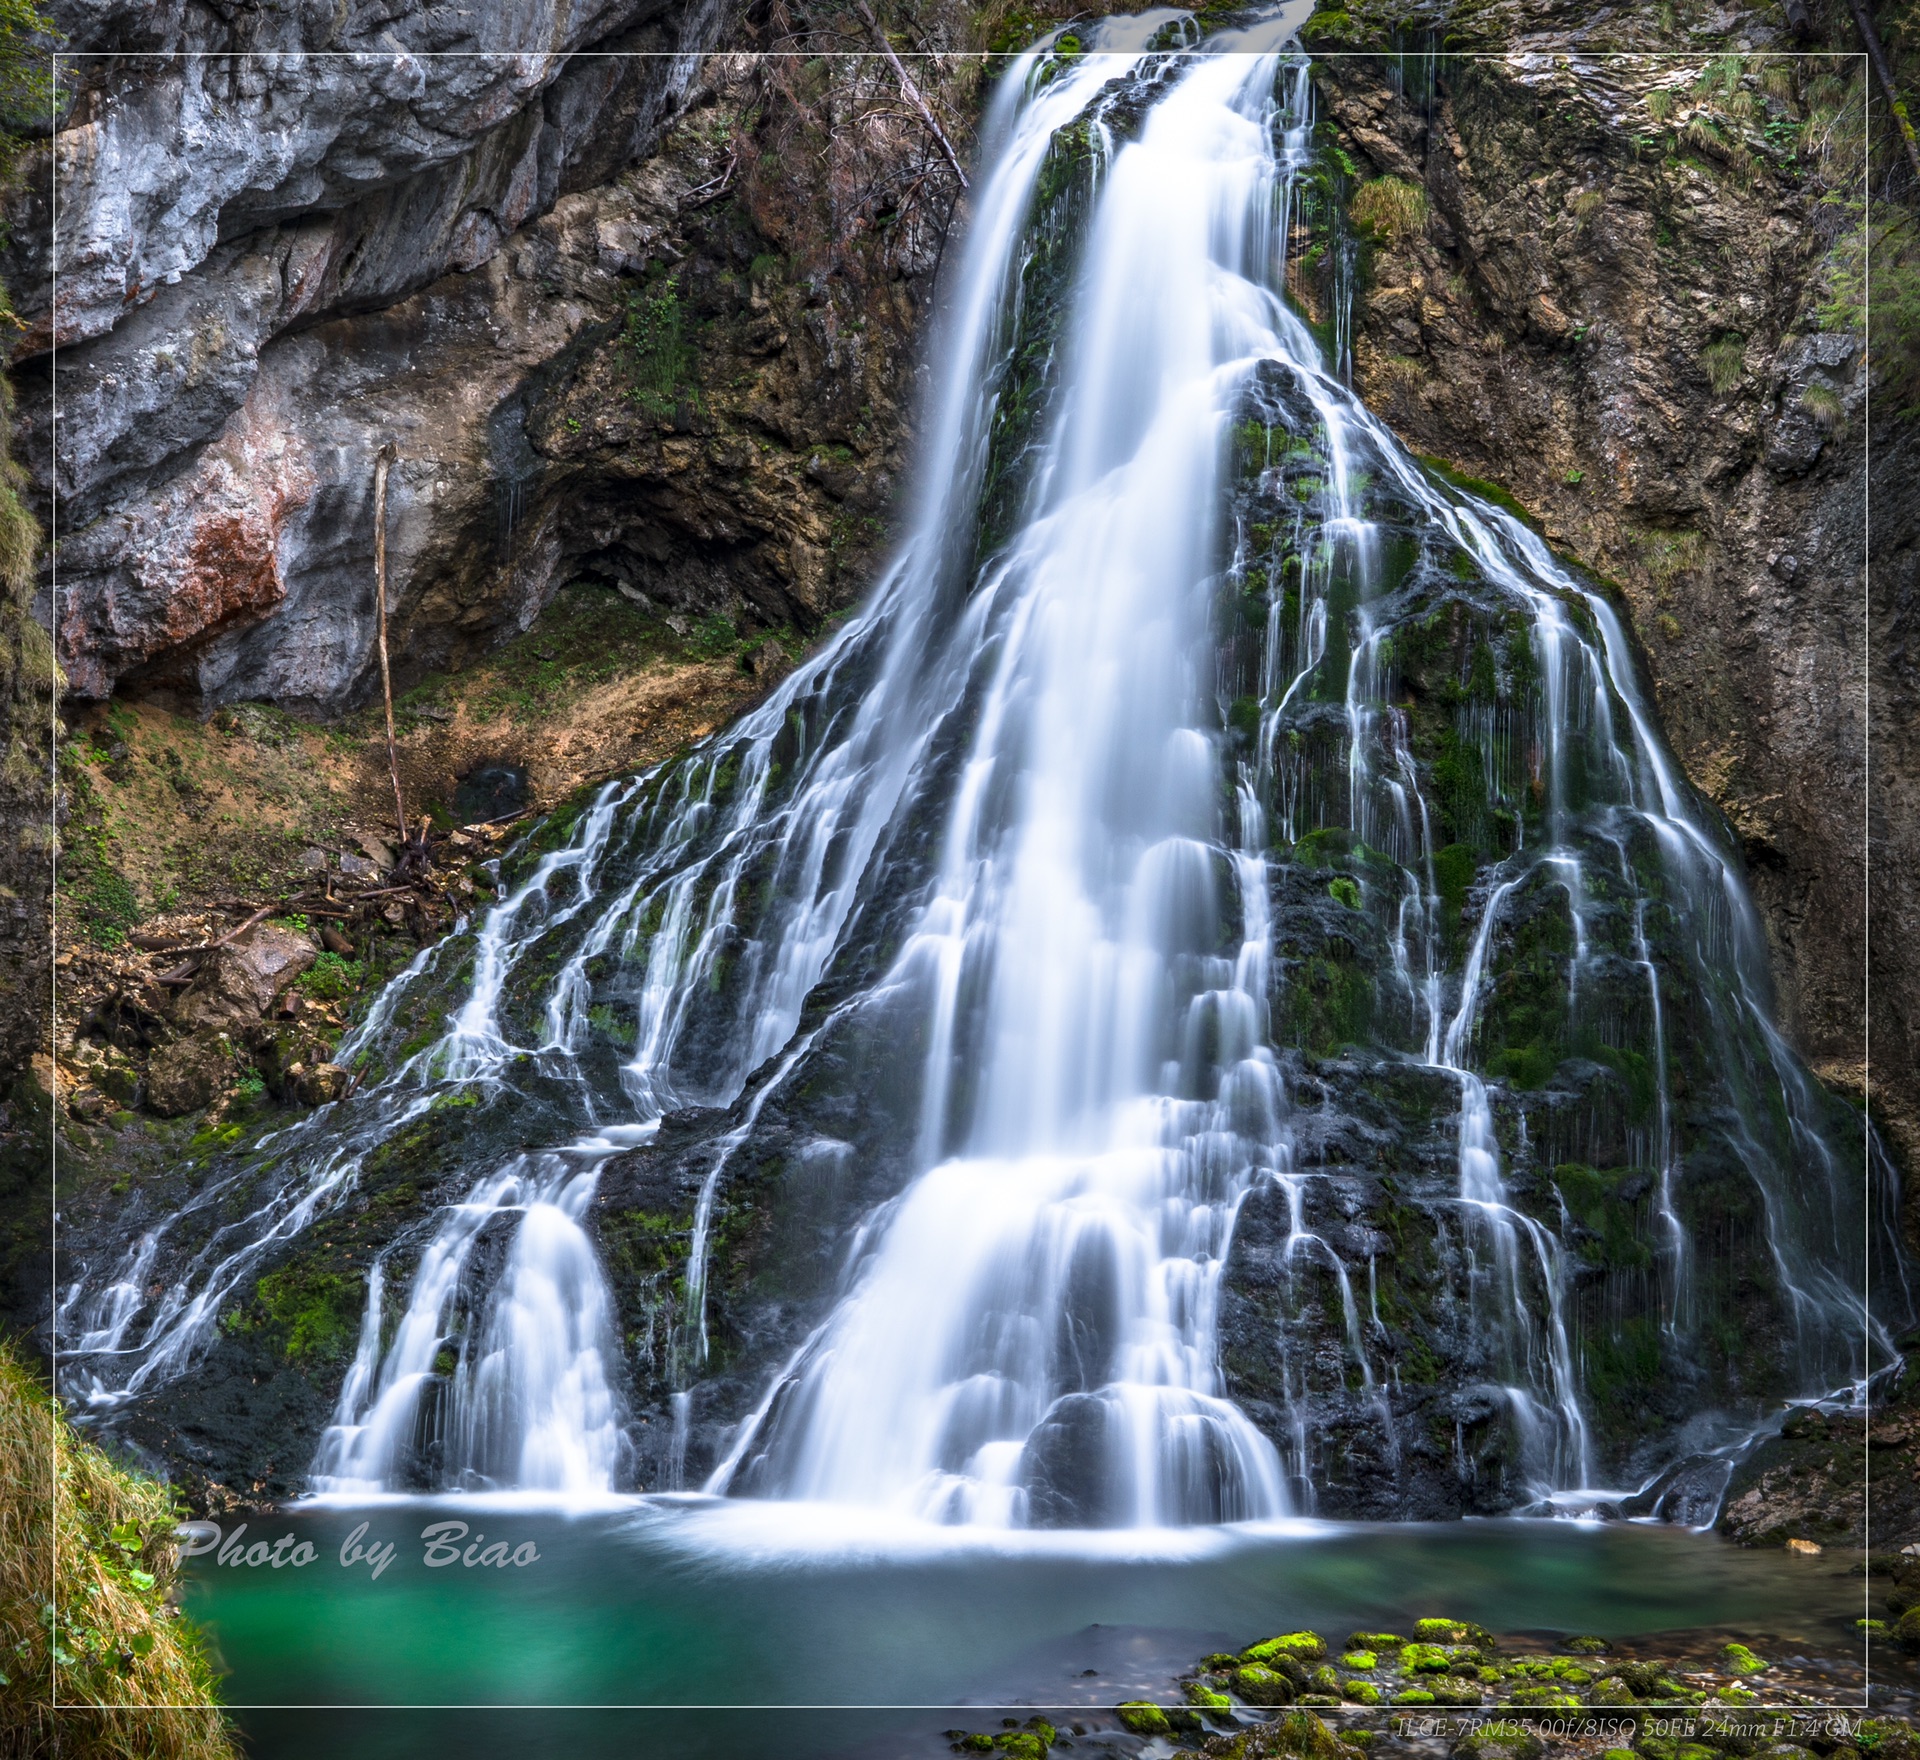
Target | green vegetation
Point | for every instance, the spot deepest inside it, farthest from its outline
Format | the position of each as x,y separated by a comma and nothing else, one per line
1389,207
1874,288
90,875
316,1312
1300,1646
657,353
331,977
1486,491
1725,359
87,1558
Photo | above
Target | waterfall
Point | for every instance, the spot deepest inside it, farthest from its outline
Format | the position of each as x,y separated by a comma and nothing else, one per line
1156,654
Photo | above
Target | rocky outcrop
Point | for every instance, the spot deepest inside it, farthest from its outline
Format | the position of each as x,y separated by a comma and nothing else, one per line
276,174
672,374
1612,298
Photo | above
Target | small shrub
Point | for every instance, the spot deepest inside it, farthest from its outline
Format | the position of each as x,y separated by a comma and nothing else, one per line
659,358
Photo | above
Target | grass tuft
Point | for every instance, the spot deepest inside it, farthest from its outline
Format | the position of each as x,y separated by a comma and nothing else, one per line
1725,359
1389,207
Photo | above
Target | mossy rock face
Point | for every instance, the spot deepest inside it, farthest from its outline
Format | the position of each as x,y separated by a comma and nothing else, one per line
1454,1631
1741,1661
1305,1737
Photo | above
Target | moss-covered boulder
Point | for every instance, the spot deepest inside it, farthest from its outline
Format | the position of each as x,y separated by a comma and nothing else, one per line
1300,1646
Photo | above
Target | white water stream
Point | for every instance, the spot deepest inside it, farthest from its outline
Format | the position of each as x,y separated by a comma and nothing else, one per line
1027,1333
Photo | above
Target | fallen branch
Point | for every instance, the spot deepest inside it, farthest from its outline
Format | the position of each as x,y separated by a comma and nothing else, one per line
911,92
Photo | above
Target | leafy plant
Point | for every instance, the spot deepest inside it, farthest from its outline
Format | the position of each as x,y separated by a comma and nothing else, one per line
1874,282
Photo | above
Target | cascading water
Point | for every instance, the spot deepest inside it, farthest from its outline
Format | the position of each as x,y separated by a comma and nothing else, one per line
1178,631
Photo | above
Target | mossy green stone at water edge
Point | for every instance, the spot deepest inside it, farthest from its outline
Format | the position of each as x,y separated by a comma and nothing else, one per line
1262,1686
1300,1646
1142,1717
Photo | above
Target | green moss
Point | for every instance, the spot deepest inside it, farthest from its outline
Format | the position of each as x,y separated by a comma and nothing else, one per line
331,977
1543,1697
1739,1660
1479,487
1426,1658
317,1312
1375,1641
1301,1646
1413,1696
1331,1002
1259,1685
90,876
1142,1717
1320,848
1359,1659
1361,1692
1344,891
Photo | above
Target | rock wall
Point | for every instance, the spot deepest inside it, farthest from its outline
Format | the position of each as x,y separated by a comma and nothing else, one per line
1611,303
277,250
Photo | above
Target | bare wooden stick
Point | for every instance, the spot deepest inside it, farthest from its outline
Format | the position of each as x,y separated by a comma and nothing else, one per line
383,459
1863,22
909,90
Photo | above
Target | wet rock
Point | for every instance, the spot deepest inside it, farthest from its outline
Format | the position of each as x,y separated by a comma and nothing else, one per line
188,1074
1143,1718
318,1084
1065,1468
238,983
1501,1741
1616,435
88,1104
